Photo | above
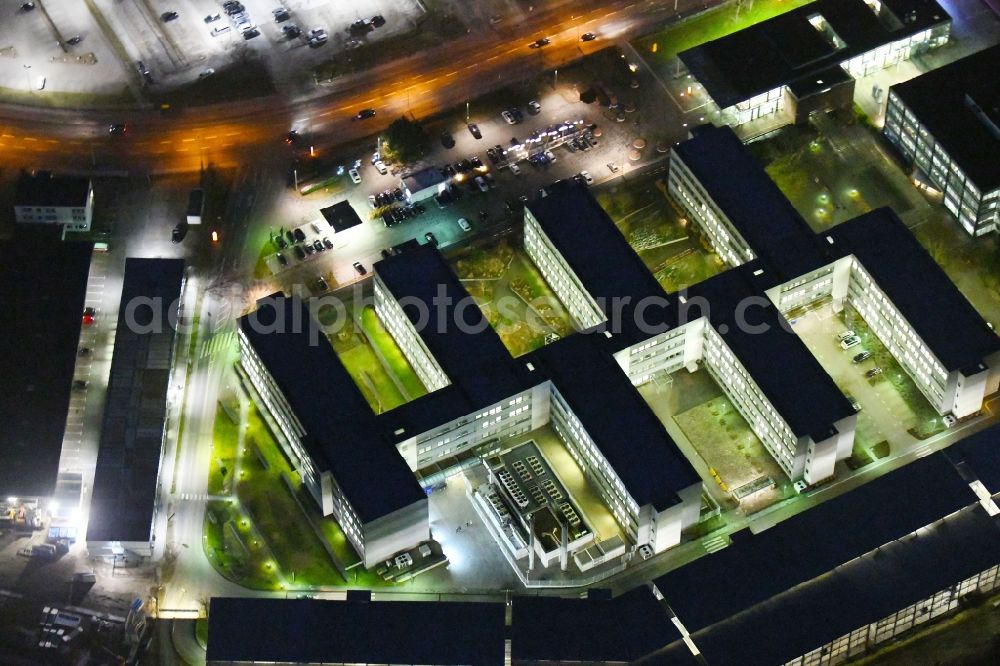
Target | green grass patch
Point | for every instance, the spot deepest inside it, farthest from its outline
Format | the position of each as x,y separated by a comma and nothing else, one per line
247,79
201,631
484,262
369,375
393,355
661,47
225,437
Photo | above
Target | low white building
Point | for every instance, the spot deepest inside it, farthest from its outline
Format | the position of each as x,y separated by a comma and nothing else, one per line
41,198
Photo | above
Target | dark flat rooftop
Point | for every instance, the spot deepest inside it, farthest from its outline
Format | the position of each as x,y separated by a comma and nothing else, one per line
776,358
913,281
978,457
457,334
342,433
44,283
341,216
782,49
355,631
740,187
756,568
959,104
857,593
128,457
622,425
602,259
44,189
589,630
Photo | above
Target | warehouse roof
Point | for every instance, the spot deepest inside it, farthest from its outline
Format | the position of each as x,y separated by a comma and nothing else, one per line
813,542
355,631
128,457
589,630
44,284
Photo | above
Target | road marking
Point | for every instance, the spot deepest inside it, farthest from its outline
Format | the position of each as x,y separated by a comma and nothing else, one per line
30,138
187,140
214,136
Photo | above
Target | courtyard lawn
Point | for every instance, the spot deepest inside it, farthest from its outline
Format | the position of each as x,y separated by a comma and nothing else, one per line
386,345
672,249
661,47
513,295
726,443
369,375
225,436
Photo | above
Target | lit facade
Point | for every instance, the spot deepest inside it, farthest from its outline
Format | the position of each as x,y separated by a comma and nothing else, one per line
946,124
58,200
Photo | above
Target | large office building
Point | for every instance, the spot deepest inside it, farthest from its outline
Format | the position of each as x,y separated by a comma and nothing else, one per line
123,502
806,60
871,262
946,123
585,258
328,431
42,198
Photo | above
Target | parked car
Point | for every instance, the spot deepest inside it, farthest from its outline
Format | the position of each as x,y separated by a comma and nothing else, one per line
377,21
431,238
212,18
89,316
586,177
464,224
549,155
509,117
355,176
514,169
318,245
534,108
481,184
447,140
300,235
862,357
179,232
360,268
380,167
281,259
474,131
167,17
874,372
850,342
299,252
843,335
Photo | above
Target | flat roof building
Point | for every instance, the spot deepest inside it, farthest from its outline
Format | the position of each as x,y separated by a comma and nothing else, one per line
328,430
354,631
423,184
123,501
44,285
946,123
805,59
42,198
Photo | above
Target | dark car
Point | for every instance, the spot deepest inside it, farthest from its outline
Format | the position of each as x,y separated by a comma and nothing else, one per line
359,27
118,128
279,240
299,252
534,108
327,243
212,18
291,31
377,21
292,137
281,259
430,238
308,248
588,37
79,384
365,113
475,161
318,245
474,131
27,6
447,140
74,40
359,268
281,14
166,17
385,253
299,235
539,43
179,232
83,351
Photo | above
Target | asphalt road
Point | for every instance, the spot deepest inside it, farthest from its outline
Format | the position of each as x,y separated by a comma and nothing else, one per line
232,134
